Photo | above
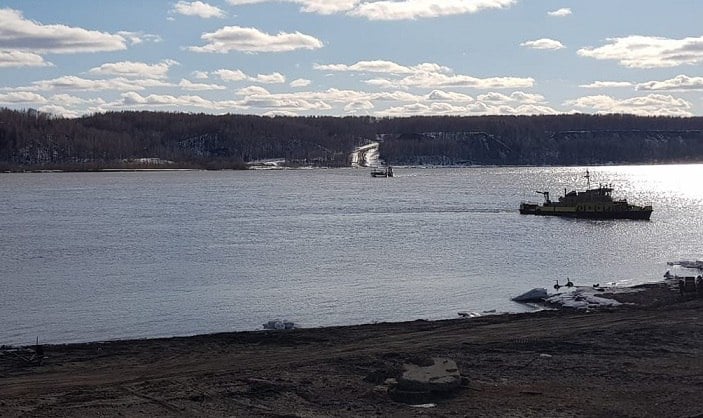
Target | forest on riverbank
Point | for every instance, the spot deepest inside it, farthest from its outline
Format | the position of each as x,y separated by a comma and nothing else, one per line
34,140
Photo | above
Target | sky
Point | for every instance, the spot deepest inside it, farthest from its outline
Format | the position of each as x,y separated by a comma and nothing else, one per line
382,58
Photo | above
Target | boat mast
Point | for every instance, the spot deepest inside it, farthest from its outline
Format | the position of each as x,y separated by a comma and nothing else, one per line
588,180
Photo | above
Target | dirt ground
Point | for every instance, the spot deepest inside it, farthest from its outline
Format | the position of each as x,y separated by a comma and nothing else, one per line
637,360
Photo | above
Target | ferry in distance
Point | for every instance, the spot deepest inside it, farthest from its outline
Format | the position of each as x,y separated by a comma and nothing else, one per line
595,203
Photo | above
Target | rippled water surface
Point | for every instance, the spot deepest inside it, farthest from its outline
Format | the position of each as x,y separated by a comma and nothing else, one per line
96,256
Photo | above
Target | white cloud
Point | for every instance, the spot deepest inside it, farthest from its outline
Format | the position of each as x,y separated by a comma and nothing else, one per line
648,51
281,102
521,96
134,99
135,69
564,11
199,9
236,38
21,97
82,84
18,33
261,101
448,96
71,101
139,37
58,104
420,9
252,91
274,113
407,110
323,7
231,75
243,2
531,109
650,105
16,58
274,78
189,85
678,83
493,97
300,82
438,102
426,75
476,108
200,75
544,43
388,96
436,81
606,84
328,96
391,9
55,109
516,96
238,75
460,104
359,106
381,66
326,7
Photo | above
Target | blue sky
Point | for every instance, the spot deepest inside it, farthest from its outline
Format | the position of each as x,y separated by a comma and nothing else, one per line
353,57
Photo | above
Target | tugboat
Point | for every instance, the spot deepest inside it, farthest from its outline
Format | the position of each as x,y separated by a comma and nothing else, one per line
592,204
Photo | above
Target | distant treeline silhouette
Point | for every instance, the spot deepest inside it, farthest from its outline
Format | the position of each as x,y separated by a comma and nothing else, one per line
30,139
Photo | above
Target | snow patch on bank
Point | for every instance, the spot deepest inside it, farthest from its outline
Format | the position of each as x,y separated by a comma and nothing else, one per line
583,297
579,297
366,156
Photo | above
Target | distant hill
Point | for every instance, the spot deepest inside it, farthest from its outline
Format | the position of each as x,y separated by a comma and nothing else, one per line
31,139
587,147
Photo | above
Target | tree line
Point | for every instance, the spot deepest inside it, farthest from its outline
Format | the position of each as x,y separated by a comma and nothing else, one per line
31,139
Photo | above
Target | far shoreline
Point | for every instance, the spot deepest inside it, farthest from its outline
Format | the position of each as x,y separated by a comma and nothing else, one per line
254,167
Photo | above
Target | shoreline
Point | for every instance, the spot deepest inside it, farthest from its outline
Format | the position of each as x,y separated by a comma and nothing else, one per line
616,293
634,359
253,167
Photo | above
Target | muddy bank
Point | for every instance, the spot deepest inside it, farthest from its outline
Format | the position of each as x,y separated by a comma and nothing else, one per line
643,358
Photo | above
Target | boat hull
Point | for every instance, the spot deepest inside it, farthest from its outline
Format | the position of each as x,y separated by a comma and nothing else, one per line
631,212
386,172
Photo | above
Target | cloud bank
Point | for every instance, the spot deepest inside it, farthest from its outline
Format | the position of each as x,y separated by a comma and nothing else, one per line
20,34
648,51
391,9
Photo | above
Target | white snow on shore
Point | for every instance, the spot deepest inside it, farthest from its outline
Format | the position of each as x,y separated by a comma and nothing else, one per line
584,297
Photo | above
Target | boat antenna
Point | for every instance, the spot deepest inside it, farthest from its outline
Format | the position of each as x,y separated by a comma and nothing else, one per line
588,180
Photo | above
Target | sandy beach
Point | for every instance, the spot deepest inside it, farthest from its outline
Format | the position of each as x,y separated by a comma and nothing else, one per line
642,358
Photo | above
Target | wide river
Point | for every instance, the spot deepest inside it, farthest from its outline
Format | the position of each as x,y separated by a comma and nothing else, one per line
100,256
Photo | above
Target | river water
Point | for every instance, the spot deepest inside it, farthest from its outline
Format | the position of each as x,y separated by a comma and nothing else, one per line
100,256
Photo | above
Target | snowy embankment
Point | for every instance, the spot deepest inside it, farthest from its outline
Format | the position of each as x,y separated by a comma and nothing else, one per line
583,297
578,297
365,156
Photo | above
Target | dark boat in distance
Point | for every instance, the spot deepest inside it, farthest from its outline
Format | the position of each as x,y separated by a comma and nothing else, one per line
382,172
591,204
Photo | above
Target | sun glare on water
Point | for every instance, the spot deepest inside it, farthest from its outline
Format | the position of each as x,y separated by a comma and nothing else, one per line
683,180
